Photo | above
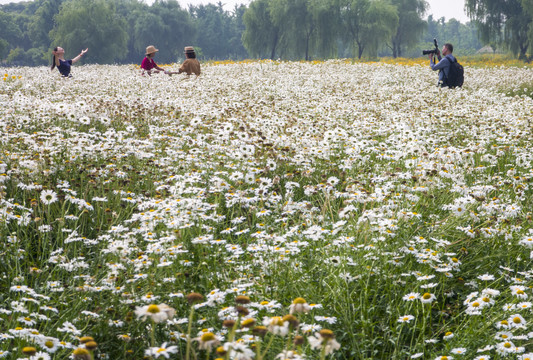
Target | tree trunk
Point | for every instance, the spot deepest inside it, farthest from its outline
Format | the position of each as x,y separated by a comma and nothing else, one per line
360,50
274,45
523,52
307,47
394,50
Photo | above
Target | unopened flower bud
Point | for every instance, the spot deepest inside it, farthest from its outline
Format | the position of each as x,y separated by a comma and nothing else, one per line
299,340
248,323
259,330
29,350
228,323
326,334
243,311
194,298
86,339
91,345
291,319
242,299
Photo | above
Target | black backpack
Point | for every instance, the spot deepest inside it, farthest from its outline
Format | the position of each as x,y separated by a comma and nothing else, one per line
456,74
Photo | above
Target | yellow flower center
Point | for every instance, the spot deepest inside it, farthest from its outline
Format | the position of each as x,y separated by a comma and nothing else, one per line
80,351
299,300
208,336
276,320
247,322
153,309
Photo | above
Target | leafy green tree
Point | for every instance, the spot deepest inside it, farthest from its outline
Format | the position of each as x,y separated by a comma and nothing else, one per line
175,31
527,5
93,24
11,31
237,27
326,19
368,23
4,49
212,24
463,36
42,22
219,32
410,24
261,36
505,23
303,25
132,11
149,29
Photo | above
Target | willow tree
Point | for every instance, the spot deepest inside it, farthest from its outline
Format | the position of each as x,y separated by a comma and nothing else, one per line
93,24
505,23
528,9
306,26
367,24
411,25
261,36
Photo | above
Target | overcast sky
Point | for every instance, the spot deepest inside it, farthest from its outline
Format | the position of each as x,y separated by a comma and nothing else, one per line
439,8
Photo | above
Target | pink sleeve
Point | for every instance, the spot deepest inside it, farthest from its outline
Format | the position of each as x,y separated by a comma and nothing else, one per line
144,64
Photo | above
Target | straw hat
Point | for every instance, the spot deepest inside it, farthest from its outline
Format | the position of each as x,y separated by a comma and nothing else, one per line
189,49
151,49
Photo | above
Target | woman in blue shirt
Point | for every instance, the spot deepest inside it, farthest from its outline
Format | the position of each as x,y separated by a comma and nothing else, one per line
64,65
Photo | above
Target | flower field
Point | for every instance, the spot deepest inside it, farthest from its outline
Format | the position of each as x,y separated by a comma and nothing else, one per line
266,210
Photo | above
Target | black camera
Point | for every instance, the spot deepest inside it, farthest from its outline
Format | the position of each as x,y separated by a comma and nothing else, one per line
432,51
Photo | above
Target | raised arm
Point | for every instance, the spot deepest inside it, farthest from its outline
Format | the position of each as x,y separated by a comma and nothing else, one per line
79,56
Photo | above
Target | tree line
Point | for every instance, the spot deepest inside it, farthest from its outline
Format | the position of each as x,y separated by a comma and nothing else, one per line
118,31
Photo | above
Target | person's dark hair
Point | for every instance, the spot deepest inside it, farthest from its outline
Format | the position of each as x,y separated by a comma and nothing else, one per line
449,47
190,55
54,60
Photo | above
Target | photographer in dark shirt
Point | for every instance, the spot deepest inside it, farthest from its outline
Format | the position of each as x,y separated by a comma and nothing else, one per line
444,63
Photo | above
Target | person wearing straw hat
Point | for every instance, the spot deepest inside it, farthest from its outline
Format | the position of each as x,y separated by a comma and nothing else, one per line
148,64
191,64
58,60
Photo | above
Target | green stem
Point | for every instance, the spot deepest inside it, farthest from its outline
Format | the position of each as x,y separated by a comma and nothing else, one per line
258,349
289,340
189,329
152,334
268,346
323,352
